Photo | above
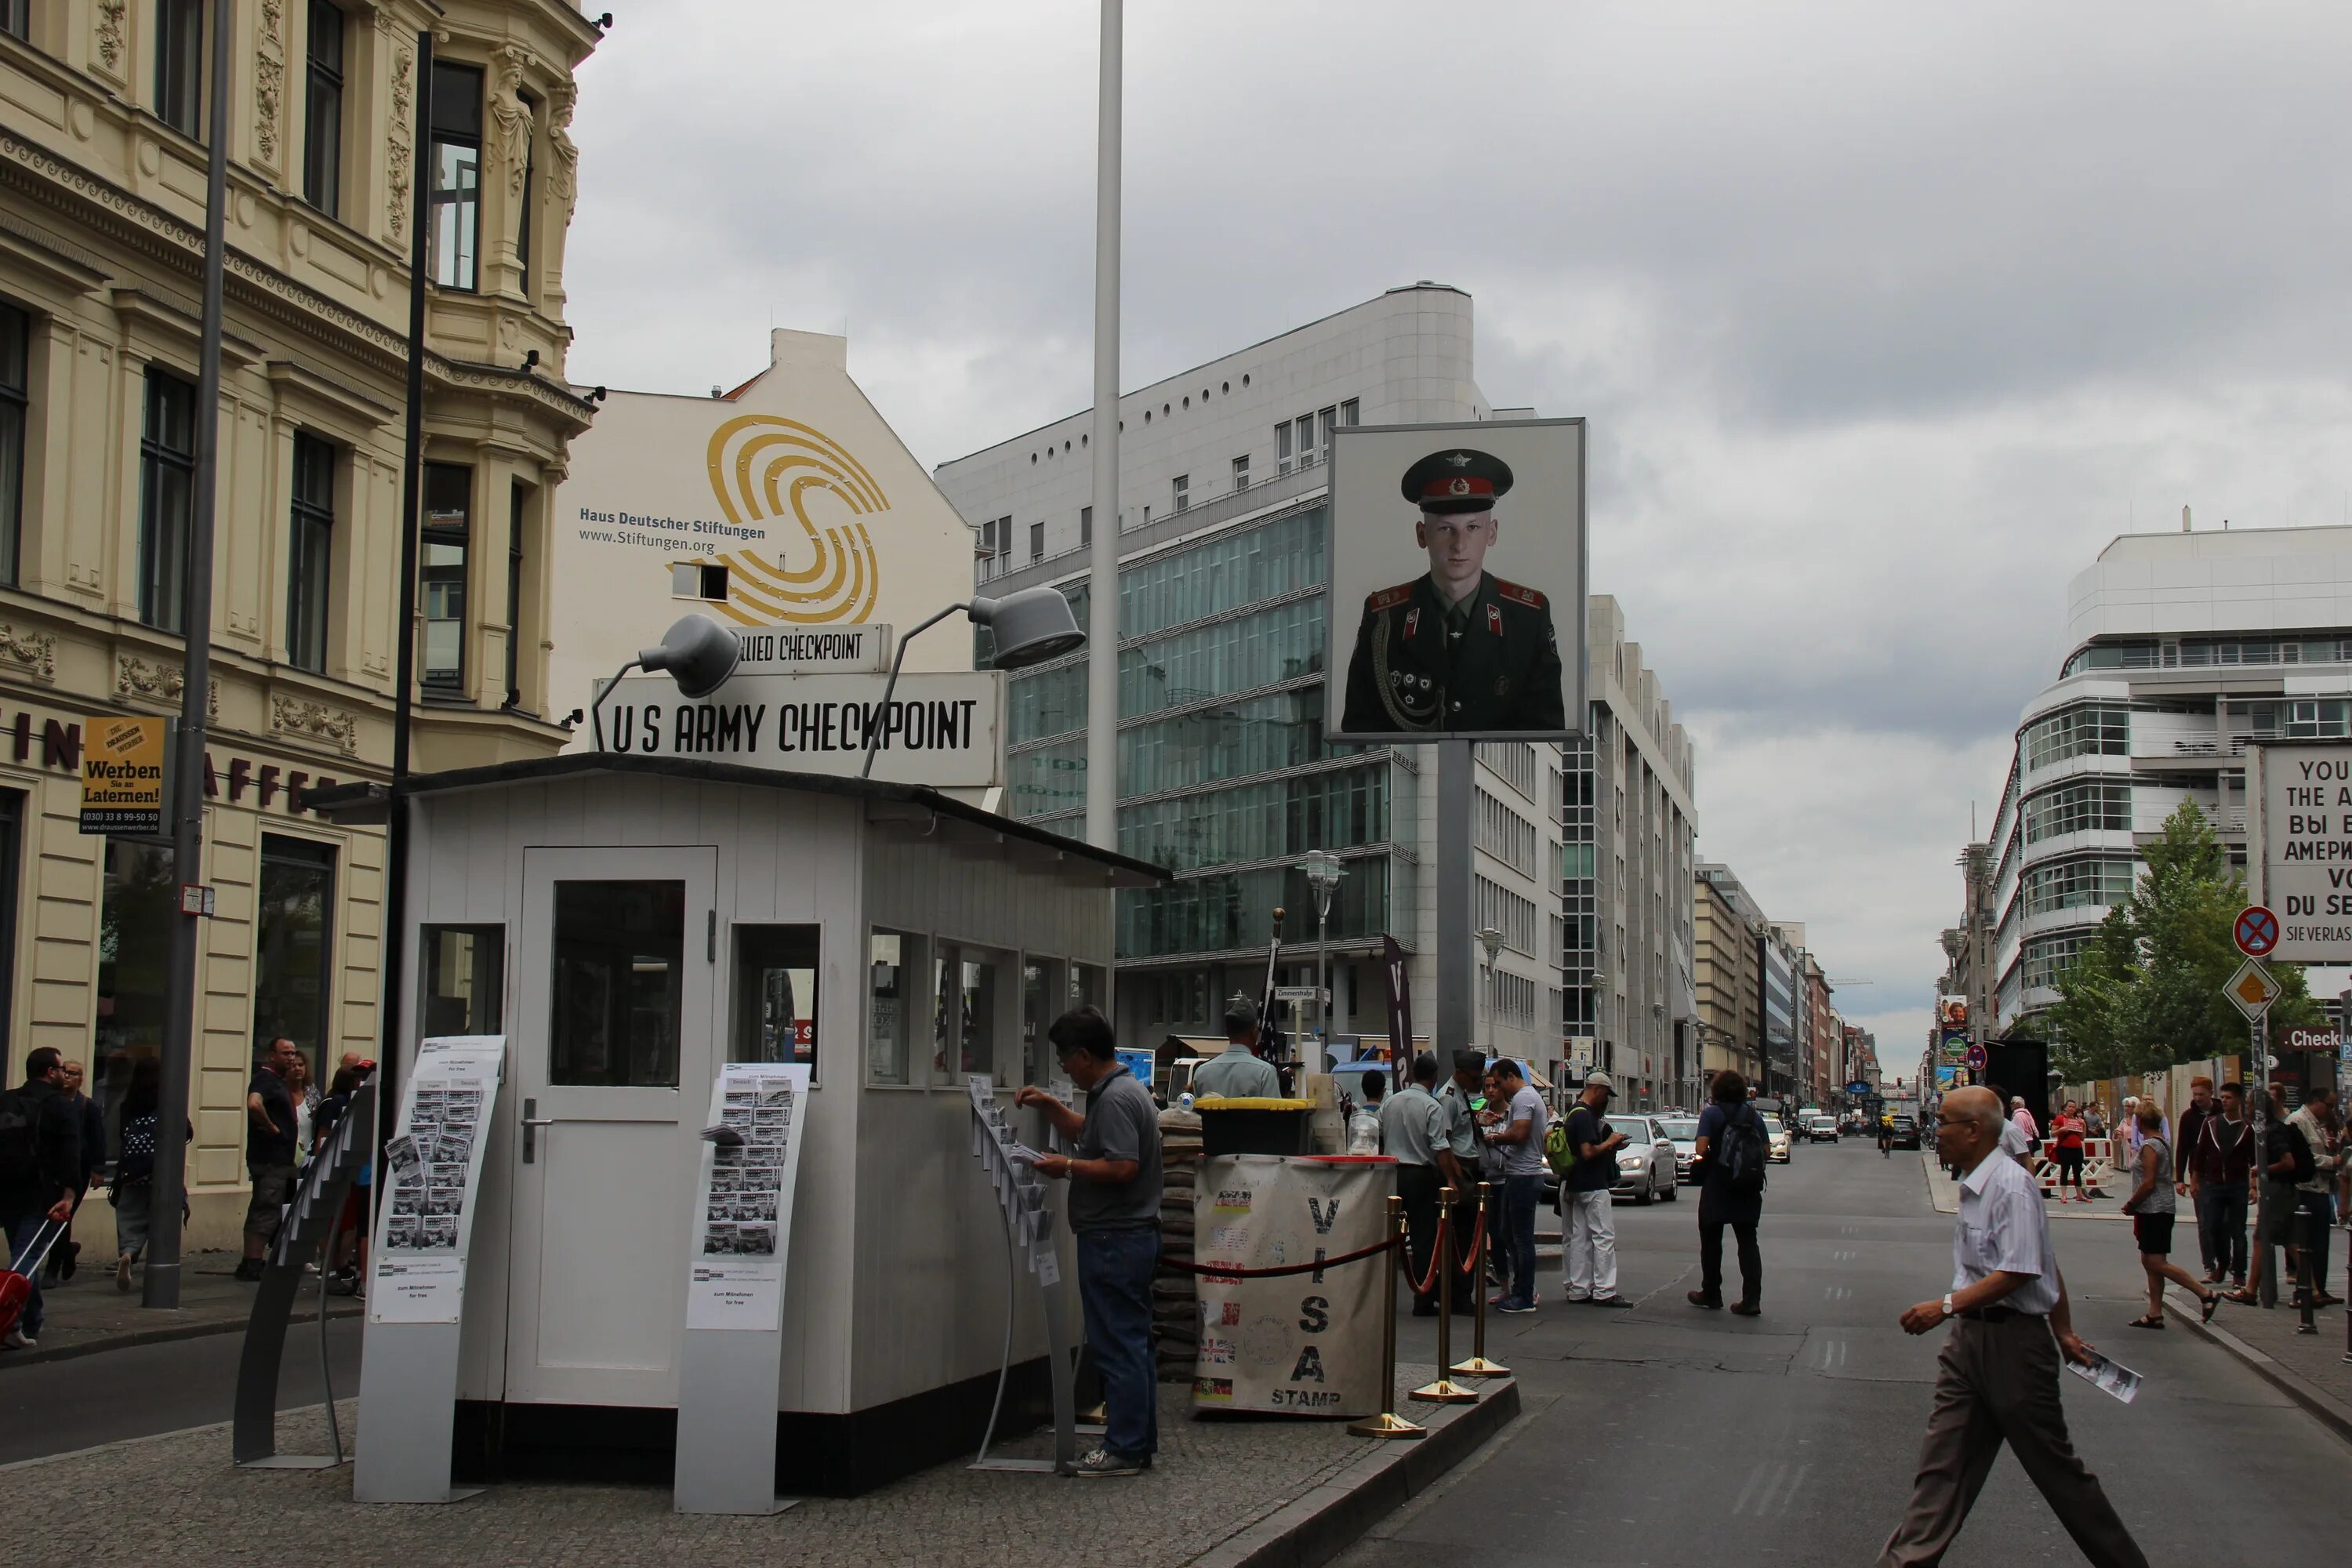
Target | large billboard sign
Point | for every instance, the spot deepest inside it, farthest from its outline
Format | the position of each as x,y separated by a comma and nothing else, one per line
2299,847
1457,581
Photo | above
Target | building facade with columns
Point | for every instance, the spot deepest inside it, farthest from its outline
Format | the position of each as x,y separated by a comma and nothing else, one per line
104,122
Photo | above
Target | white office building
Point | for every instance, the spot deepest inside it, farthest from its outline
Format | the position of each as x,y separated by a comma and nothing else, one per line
2179,649
1223,771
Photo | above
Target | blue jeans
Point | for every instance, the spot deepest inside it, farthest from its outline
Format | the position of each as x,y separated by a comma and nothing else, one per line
1520,1195
1114,1270
21,1228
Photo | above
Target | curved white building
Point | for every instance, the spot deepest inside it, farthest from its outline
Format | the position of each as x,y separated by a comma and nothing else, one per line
2179,649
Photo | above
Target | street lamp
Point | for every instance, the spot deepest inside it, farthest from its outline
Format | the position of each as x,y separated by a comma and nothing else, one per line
1491,940
1323,873
1031,626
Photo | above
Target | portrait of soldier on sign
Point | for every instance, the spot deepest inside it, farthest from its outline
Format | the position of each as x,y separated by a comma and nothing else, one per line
1457,649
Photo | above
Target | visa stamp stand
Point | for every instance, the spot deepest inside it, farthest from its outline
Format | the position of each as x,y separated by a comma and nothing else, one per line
643,929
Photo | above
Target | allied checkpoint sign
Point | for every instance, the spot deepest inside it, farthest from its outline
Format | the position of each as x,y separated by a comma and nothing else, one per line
2299,847
946,731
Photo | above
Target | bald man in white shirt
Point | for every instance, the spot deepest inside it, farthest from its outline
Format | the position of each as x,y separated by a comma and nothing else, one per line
1997,1379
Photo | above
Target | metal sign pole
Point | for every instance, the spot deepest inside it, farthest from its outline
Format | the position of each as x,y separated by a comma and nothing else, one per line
1457,1005
2266,1288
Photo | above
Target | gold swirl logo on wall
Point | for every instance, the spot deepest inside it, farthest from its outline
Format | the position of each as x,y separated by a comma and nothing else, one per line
765,466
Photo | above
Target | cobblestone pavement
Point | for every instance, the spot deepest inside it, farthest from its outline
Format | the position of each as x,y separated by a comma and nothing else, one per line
178,1499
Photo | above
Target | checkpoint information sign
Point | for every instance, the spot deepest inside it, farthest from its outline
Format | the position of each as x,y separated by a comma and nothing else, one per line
2257,931
2299,849
2251,990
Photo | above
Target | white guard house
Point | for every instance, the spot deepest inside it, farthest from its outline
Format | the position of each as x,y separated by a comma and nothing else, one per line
630,923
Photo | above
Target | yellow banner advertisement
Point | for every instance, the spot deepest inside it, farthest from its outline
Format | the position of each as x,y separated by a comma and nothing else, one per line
123,776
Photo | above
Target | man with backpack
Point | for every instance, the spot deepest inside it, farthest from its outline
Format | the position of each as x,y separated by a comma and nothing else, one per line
40,1168
1730,1157
1586,1163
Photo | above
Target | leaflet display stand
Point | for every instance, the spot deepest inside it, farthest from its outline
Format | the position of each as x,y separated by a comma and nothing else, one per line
734,1346
310,1223
1028,1239
429,1181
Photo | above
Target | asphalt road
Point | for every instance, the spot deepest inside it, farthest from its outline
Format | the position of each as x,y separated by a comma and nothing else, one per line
1670,1435
59,1407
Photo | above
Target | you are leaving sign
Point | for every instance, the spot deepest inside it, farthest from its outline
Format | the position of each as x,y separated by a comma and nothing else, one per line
2299,845
944,731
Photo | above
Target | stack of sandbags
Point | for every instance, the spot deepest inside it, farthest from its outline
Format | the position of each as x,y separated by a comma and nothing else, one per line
1175,1305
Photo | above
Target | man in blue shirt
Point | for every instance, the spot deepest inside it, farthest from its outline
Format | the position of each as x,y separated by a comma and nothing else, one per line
1997,1379
1518,1128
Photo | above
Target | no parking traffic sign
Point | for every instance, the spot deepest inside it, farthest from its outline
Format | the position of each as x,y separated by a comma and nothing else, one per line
2257,931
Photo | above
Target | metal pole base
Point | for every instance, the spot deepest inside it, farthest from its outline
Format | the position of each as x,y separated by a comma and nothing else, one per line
1443,1392
1016,1467
293,1462
1386,1425
1478,1366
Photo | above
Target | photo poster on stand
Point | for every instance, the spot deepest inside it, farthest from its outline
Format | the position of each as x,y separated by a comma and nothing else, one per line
1020,1190
432,1169
743,1210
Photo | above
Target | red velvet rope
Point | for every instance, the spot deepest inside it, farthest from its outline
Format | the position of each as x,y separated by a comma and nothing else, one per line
1227,1271
1437,1259
1470,1257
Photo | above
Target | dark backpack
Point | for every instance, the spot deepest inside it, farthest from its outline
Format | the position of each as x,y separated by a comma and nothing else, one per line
20,1139
1741,1152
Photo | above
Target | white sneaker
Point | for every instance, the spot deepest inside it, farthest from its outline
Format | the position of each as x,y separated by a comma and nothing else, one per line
18,1339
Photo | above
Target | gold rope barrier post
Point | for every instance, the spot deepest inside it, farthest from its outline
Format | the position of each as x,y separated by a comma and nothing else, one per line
1444,1390
1388,1423
1478,1366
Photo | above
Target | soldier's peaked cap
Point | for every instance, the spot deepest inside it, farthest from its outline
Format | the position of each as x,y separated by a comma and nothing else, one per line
1459,478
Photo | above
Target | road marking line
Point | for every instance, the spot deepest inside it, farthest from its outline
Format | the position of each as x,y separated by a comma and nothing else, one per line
1753,1476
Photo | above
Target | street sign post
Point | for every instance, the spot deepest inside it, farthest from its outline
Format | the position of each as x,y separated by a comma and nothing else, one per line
2257,931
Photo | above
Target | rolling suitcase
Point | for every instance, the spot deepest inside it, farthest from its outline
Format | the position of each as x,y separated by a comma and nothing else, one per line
16,1281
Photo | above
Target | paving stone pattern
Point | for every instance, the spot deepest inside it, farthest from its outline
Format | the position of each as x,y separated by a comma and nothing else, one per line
178,1499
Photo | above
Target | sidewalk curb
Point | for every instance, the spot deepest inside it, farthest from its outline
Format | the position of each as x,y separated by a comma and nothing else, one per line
161,1334
1316,1527
2328,1411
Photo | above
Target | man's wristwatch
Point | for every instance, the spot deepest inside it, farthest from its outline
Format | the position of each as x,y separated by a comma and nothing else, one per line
1947,1305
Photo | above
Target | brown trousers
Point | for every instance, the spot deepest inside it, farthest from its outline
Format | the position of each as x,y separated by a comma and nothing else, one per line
1998,1382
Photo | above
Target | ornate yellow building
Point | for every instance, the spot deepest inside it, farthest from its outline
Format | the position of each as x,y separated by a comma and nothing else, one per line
103,151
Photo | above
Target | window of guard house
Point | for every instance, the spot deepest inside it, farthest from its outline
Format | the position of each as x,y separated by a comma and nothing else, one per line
293,950
465,979
775,995
1090,988
892,965
140,902
619,954
1041,990
964,981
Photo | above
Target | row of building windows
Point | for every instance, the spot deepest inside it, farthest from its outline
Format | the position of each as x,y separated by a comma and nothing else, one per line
1261,734
2047,957
2296,719
1506,835
2192,653
1236,910
1234,569
1515,760
2090,729
1276,819
2086,806
1497,907
2088,882
1513,997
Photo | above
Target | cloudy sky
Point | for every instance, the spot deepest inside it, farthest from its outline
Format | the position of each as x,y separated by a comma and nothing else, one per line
1887,319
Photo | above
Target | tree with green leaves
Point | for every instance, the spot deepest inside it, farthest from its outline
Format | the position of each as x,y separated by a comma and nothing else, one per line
2146,991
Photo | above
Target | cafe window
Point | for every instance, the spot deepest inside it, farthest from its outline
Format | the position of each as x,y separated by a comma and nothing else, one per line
964,1036
446,533
775,995
464,977
293,957
179,64
620,956
323,112
167,488
137,902
310,552
457,195
892,963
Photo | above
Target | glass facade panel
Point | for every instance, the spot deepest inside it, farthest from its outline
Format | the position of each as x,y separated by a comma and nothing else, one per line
2048,957
1280,730
2296,719
1050,702
2092,805
1275,645
2095,728
1237,910
1225,574
2086,882
1262,821
1048,779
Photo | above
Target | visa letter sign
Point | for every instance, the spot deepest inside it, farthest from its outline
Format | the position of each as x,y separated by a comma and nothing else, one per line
2299,847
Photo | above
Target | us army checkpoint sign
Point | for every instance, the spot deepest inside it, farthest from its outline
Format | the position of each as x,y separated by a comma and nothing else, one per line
2299,847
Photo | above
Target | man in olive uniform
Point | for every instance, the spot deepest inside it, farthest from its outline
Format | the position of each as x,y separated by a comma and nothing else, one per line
1458,648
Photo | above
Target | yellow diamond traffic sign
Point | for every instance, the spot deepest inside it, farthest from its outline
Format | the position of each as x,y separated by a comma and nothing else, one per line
2252,990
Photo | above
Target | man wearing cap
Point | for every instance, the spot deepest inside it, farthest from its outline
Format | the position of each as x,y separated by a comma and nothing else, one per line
1459,1160
1588,1230
1457,649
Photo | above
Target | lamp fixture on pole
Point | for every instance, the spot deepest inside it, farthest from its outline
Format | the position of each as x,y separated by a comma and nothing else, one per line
699,653
1031,626
1491,942
1323,874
